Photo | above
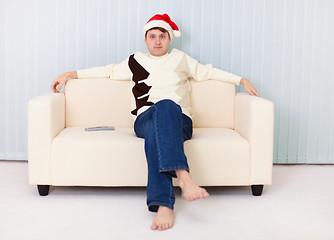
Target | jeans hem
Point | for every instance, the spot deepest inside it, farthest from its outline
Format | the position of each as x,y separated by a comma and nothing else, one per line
171,170
154,206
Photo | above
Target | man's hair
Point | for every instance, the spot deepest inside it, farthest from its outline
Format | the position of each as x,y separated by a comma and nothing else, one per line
158,28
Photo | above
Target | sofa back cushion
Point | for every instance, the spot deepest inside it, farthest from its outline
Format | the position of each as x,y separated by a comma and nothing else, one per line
212,103
103,101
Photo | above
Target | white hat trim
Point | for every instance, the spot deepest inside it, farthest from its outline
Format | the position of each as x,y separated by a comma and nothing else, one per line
158,23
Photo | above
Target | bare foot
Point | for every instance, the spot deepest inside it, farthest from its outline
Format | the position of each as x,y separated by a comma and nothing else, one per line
164,219
190,190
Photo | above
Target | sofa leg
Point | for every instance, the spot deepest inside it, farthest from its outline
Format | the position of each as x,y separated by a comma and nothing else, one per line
257,190
43,190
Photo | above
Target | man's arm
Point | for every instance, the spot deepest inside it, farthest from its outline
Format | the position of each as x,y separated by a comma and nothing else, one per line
201,72
115,71
58,82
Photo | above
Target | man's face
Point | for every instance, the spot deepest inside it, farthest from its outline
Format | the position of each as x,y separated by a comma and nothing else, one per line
157,42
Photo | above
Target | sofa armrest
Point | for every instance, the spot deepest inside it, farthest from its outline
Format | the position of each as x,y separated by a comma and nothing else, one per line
254,120
46,118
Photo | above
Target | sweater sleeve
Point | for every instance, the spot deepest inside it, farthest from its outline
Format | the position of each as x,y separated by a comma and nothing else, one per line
119,71
200,72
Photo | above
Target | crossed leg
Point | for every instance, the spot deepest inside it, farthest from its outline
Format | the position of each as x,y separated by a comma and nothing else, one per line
165,128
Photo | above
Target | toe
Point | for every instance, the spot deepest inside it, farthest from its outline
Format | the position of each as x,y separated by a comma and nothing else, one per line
154,226
197,196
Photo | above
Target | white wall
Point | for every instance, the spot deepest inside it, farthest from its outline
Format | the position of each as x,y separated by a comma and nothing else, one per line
286,48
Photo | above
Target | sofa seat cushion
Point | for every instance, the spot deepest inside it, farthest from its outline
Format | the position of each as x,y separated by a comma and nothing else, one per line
96,158
216,156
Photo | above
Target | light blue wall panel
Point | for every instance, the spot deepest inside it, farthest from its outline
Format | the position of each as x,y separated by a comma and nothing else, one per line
285,47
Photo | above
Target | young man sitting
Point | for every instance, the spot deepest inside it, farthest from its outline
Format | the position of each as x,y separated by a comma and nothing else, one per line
162,111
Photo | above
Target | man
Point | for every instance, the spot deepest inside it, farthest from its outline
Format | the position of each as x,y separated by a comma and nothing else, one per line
161,111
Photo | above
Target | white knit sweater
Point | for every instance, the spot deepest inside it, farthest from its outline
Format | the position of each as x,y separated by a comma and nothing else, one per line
158,78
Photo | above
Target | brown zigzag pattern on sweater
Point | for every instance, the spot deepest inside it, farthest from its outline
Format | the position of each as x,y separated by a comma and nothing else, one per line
139,73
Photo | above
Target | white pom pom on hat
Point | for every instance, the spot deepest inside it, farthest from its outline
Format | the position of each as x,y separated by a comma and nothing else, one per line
176,33
165,22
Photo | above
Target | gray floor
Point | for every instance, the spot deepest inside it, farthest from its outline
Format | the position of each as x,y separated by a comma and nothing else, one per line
299,206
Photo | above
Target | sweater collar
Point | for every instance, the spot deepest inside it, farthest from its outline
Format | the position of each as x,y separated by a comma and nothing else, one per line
157,57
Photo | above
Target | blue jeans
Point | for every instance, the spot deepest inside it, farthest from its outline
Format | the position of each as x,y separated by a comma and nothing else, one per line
164,128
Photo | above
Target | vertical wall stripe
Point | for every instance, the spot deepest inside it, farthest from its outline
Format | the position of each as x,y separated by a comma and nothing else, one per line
2,80
285,47
330,65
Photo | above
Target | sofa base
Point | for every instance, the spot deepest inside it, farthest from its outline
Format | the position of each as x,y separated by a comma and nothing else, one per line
43,190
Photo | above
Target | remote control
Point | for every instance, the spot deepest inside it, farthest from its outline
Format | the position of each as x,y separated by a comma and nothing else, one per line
100,128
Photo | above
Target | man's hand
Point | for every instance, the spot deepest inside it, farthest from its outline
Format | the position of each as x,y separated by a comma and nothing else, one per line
249,87
58,82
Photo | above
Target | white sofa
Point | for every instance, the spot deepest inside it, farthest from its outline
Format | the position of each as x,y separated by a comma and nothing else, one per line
232,143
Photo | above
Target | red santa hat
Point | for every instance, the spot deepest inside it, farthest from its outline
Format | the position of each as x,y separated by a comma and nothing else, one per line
165,22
